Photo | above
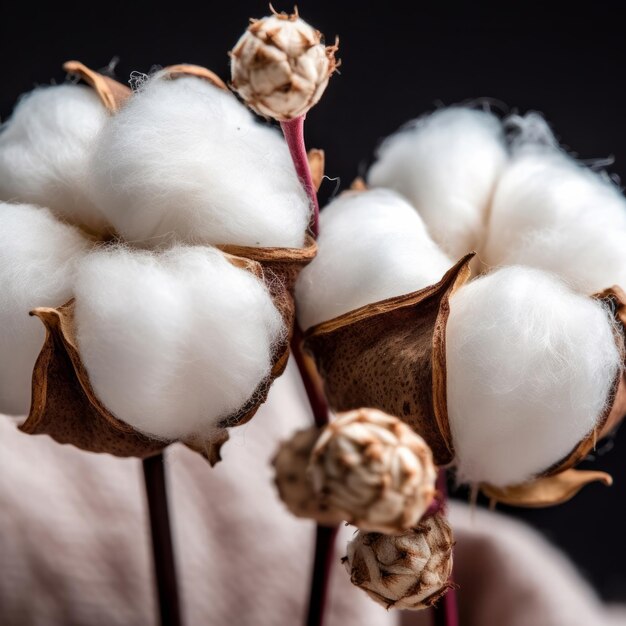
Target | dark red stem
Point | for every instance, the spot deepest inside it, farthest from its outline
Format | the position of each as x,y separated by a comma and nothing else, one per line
294,136
446,611
324,536
162,547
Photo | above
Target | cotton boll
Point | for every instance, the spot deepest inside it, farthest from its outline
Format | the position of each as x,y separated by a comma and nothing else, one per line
446,164
45,148
372,246
38,257
185,160
553,213
173,343
530,368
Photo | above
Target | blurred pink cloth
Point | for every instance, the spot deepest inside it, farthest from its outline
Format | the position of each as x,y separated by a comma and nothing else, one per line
75,547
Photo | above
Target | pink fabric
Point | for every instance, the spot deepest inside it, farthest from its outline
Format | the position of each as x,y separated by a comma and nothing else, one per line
74,545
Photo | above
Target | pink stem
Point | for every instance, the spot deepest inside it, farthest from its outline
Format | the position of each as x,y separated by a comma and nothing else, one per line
293,130
446,611
324,536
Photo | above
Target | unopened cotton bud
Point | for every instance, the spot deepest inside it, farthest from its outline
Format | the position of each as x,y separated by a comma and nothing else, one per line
407,571
375,469
293,482
280,66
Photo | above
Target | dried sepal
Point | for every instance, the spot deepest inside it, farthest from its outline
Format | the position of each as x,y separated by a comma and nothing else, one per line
186,69
390,355
406,571
375,470
293,482
112,93
547,490
280,66
316,158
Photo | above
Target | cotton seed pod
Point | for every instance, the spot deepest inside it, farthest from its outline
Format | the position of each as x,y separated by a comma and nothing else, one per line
280,66
406,571
293,481
391,355
375,470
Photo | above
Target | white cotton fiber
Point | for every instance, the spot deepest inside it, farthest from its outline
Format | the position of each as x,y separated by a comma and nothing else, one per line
530,368
186,160
372,246
44,151
446,164
38,258
173,342
553,213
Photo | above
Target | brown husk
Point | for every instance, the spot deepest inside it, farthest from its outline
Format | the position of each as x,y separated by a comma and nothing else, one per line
112,93
390,355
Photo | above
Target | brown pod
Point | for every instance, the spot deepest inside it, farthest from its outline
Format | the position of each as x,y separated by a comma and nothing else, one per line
391,355
112,93
65,406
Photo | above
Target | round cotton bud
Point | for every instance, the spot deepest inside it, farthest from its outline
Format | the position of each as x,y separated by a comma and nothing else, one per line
553,213
293,481
280,66
372,246
173,343
38,258
530,370
45,149
185,160
374,469
446,164
407,571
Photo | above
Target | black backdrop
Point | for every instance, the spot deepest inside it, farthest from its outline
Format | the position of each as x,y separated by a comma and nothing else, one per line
398,62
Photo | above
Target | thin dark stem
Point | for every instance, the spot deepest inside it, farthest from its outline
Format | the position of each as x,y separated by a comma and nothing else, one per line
324,536
162,547
293,130
324,555
446,611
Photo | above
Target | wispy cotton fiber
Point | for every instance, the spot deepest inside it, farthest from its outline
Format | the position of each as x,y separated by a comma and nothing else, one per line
372,246
44,151
553,213
186,160
530,367
446,164
173,342
38,258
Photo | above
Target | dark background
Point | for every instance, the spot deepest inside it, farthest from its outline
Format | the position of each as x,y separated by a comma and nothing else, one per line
398,62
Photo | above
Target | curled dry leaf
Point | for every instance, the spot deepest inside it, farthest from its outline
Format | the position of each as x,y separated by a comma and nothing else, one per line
406,571
390,355
112,93
66,408
546,490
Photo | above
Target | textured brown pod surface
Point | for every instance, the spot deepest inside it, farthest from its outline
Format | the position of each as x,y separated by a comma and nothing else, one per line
65,406
390,355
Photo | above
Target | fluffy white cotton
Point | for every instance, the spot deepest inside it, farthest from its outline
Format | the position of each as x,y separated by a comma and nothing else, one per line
553,213
45,148
446,164
372,246
38,258
530,369
173,342
186,160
